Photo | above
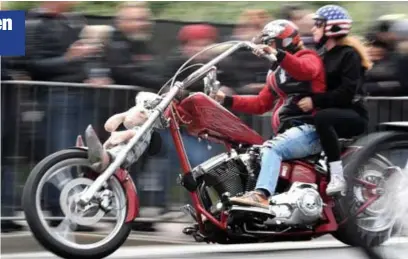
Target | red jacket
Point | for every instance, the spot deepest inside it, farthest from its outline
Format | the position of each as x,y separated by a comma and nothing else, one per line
299,75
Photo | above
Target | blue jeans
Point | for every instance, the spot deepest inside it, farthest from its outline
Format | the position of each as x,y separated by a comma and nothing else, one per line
295,143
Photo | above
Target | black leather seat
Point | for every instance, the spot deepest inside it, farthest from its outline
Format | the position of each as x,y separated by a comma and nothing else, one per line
344,143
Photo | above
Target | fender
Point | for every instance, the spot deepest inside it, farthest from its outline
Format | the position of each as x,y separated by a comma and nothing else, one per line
393,126
132,197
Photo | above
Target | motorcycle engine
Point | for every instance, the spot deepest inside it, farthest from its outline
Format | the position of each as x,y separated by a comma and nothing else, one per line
236,173
227,172
301,205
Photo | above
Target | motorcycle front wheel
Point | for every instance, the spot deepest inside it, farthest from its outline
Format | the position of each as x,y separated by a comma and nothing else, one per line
68,171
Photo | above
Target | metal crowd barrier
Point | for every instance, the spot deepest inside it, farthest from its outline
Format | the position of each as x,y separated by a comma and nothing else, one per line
34,111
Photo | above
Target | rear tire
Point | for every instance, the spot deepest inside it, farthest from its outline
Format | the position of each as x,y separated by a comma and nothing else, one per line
38,229
351,233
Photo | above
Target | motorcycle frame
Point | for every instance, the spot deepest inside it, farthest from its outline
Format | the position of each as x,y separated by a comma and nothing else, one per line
329,227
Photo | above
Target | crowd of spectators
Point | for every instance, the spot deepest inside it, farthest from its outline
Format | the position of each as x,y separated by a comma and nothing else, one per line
61,47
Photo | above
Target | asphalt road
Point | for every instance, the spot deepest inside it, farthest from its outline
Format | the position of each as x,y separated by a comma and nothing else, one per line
24,241
138,247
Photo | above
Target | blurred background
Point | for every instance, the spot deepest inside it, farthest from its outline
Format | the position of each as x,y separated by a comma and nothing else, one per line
86,61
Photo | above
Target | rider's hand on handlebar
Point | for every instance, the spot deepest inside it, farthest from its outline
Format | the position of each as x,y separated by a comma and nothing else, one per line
262,49
219,96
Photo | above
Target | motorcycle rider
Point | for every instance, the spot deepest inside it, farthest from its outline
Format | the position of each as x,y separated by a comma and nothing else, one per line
297,73
339,113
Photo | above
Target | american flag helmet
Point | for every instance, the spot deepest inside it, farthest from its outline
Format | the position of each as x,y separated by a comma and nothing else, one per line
336,19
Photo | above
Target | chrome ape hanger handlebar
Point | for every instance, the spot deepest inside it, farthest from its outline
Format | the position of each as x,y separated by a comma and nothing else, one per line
194,77
162,106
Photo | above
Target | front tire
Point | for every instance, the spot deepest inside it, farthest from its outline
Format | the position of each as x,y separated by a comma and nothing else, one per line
41,231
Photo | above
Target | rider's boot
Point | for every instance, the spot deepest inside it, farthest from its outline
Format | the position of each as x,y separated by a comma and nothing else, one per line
254,198
97,155
336,185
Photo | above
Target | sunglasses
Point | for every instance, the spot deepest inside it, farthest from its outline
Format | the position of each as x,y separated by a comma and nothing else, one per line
319,23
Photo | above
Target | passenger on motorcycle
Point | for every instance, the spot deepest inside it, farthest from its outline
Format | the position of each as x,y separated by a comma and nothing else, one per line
297,73
339,112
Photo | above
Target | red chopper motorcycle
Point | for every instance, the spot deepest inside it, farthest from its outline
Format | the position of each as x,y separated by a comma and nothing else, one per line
300,211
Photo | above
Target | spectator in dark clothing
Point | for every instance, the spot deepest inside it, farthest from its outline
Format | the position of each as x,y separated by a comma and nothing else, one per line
53,49
55,54
193,39
96,69
98,74
380,30
387,52
249,71
245,73
381,79
129,55
400,31
132,61
11,68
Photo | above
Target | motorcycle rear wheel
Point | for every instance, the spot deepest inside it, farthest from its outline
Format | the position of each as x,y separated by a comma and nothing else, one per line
351,233
39,230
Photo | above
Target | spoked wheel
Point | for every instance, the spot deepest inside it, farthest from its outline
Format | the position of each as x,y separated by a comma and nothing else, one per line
58,181
368,211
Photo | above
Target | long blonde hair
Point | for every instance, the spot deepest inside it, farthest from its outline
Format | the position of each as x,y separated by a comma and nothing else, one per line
358,46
